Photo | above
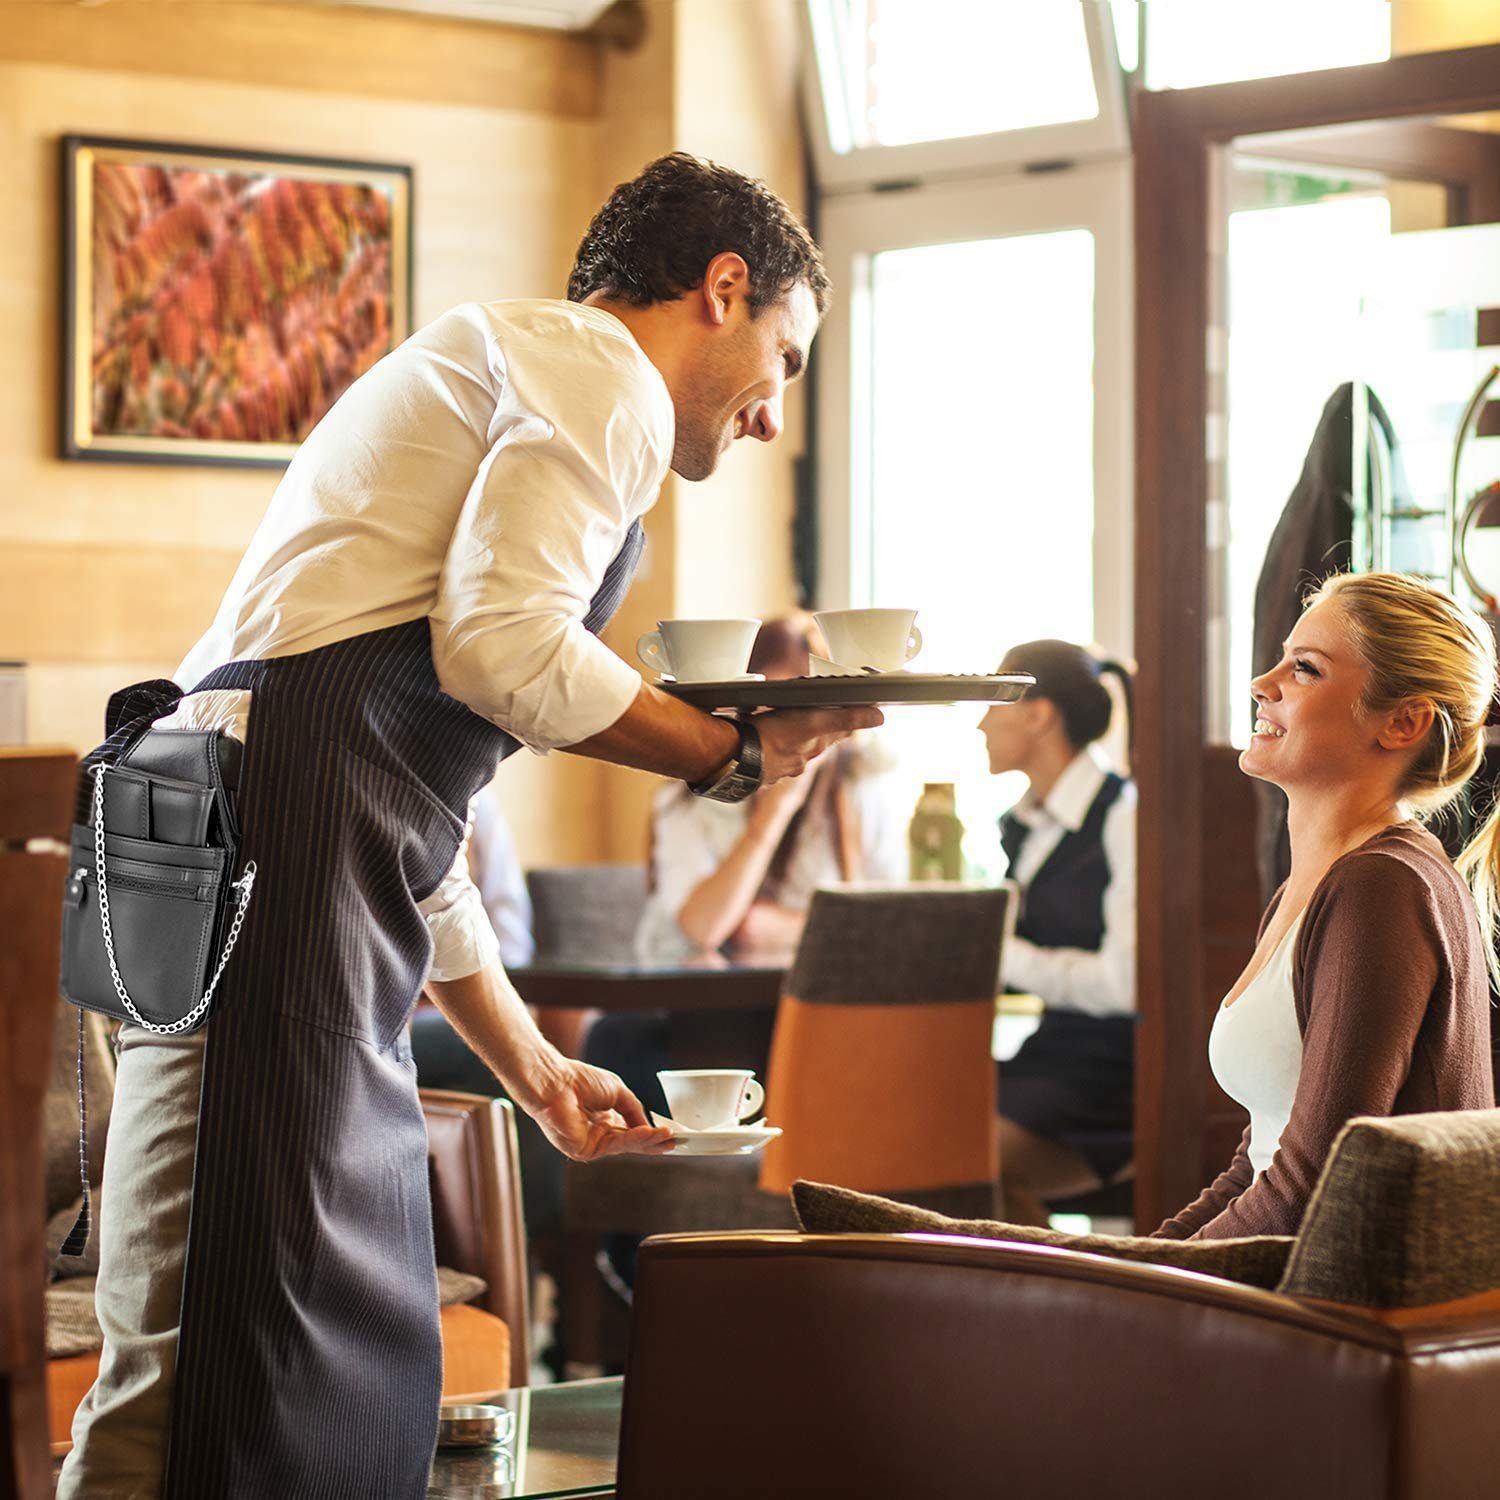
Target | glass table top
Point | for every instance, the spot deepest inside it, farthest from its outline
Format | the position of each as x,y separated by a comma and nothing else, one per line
565,1443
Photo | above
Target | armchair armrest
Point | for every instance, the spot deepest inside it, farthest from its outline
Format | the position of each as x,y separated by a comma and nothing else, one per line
477,1224
923,1364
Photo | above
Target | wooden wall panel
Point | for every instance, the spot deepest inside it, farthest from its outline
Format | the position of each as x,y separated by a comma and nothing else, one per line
369,53
109,572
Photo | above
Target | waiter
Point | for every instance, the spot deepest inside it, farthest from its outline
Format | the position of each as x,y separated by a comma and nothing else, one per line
423,595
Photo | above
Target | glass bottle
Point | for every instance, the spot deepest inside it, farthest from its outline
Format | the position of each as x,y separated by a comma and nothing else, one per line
936,835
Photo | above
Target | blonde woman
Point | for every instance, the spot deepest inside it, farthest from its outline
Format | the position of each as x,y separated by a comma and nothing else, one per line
1367,993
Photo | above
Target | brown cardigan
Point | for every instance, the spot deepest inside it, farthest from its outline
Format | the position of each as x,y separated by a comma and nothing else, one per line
1393,1004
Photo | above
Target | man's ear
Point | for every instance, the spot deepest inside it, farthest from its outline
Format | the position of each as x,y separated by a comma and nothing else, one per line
1406,727
726,281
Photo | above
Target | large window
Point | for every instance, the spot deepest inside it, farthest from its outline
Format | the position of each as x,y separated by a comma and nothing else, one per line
974,452
974,376
1194,42
1295,282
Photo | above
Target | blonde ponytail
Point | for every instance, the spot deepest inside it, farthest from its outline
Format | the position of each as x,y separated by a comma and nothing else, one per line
1479,864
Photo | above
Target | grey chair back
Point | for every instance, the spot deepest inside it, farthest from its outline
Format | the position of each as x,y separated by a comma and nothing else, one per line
586,913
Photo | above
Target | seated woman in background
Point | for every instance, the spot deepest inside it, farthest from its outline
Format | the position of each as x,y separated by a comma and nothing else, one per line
741,875
1367,992
1067,1097
738,878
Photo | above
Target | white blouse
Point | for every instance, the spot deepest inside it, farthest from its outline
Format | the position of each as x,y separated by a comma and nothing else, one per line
482,475
1255,1051
692,837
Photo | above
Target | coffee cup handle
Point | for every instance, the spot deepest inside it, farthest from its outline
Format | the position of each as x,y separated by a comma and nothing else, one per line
755,1096
913,643
653,653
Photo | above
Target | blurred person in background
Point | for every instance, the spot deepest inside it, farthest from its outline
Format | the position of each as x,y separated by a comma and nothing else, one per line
740,877
1067,1097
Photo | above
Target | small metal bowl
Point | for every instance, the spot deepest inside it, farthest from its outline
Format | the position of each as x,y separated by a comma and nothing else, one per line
474,1426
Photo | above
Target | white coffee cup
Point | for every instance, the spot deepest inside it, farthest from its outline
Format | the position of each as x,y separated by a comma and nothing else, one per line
699,650
711,1098
885,639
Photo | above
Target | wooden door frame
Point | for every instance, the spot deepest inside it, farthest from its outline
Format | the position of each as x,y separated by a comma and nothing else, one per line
1178,135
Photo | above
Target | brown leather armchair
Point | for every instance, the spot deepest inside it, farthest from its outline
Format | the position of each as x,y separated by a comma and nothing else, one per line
477,1226
921,1365
477,1229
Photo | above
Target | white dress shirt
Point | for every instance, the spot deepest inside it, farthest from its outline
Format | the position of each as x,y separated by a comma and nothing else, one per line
483,476
1102,983
496,870
692,837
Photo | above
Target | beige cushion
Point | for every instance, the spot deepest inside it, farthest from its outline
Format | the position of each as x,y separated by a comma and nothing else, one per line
1404,1214
458,1286
60,1107
72,1327
1258,1261
59,1227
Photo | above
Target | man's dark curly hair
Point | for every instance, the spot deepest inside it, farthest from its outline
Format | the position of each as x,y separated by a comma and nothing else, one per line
654,237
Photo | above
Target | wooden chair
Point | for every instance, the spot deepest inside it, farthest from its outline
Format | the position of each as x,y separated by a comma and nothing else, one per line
880,1078
582,914
880,1075
36,802
477,1229
477,1224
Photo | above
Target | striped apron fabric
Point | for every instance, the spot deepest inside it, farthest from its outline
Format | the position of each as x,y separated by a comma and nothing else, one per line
309,1362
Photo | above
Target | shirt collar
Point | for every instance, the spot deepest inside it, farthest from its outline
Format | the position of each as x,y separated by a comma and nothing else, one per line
1071,796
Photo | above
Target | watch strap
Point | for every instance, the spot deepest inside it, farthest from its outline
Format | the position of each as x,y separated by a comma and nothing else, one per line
741,775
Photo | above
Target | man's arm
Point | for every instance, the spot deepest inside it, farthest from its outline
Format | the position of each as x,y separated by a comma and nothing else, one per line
585,1112
659,733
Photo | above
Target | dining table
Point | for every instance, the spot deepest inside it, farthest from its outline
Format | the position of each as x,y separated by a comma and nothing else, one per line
618,982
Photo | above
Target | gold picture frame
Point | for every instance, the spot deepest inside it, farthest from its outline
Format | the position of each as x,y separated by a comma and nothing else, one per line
216,301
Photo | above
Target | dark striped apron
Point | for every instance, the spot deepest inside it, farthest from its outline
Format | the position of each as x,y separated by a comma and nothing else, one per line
309,1363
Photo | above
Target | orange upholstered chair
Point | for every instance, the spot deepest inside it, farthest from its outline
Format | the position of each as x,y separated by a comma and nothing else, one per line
880,1074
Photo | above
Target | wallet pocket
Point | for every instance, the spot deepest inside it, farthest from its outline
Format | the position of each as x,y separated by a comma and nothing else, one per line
161,808
163,901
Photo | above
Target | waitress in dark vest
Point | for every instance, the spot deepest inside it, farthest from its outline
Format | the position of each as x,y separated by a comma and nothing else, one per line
422,596
1067,1097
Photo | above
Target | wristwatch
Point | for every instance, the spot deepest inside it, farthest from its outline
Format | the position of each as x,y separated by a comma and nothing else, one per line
740,775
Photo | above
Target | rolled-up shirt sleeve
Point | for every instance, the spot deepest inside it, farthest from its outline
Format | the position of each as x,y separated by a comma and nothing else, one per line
579,447
463,940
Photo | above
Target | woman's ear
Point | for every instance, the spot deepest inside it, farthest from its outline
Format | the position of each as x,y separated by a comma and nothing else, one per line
1406,727
1043,715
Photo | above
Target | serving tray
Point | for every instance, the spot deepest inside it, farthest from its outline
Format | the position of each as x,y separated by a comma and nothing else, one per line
873,689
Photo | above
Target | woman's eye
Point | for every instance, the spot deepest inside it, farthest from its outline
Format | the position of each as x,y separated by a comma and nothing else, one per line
1302,665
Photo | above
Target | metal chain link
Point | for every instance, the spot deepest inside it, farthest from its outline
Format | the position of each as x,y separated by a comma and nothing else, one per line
243,885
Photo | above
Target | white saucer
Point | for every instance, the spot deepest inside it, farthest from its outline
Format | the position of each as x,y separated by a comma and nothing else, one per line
691,681
733,1140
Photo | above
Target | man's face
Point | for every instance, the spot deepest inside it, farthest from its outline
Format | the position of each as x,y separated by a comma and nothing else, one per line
741,368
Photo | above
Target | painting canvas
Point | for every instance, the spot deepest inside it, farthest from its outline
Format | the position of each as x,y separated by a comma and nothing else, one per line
219,302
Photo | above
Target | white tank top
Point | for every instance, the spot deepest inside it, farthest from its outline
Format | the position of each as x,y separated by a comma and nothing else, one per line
1255,1051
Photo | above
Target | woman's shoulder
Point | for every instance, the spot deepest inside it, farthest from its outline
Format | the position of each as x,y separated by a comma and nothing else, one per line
1401,875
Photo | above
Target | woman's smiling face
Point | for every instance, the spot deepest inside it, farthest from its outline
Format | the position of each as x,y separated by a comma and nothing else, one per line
1310,724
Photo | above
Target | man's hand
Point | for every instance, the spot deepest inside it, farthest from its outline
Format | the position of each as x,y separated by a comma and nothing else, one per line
590,1114
792,738
657,733
585,1112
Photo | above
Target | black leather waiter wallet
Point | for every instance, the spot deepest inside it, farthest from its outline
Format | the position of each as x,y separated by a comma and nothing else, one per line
151,911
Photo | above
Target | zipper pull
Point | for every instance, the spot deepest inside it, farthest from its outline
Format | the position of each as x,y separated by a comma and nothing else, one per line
77,887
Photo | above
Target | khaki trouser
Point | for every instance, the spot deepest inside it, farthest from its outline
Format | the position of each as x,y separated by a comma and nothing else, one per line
120,1430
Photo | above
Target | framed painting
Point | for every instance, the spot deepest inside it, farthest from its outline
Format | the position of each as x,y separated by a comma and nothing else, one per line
218,302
